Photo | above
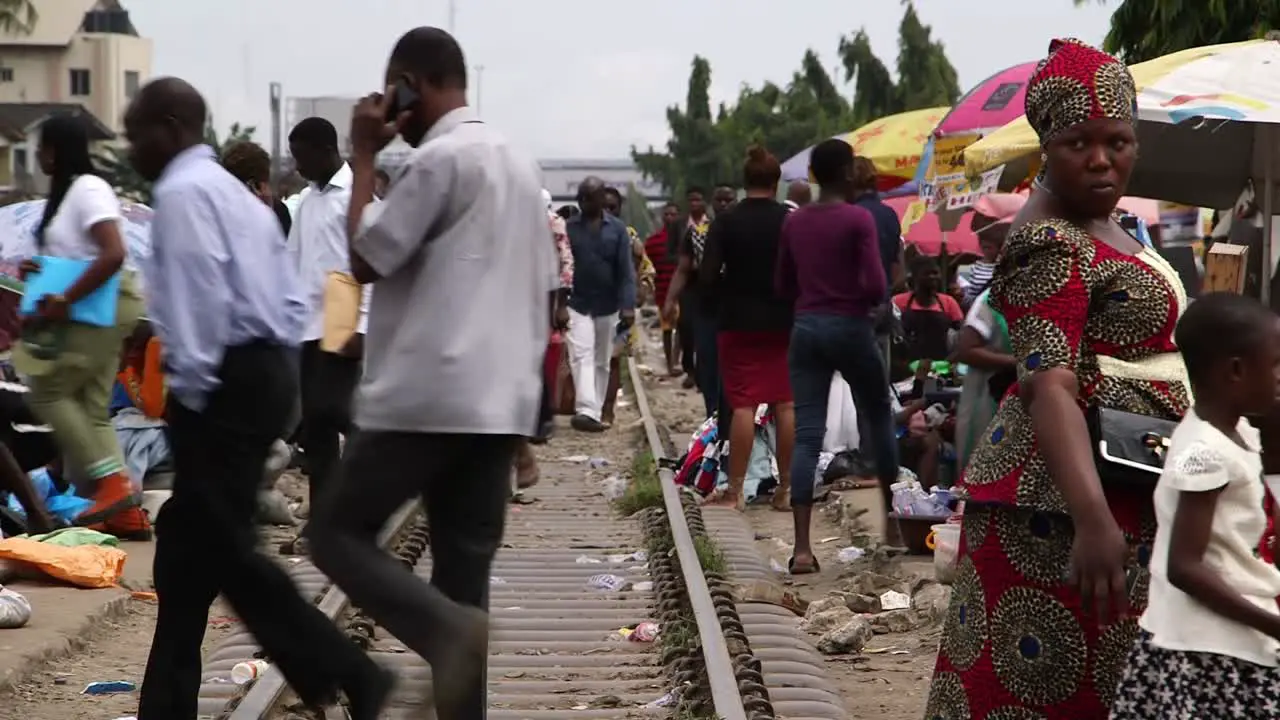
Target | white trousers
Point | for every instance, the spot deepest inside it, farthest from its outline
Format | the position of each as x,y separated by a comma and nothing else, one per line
590,349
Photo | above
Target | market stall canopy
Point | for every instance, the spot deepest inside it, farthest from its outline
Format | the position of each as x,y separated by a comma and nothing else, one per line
987,107
923,230
990,105
893,143
1193,162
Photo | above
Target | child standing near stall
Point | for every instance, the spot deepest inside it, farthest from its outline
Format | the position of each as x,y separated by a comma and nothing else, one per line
1211,631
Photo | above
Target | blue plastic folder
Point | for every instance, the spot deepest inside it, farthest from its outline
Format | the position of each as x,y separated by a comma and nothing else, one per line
56,275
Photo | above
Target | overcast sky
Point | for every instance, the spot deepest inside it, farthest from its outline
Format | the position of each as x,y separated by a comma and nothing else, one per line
570,78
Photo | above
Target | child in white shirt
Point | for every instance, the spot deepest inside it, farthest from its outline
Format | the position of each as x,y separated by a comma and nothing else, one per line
1209,637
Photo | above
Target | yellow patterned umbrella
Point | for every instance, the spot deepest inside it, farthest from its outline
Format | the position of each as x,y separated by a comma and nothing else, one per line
893,143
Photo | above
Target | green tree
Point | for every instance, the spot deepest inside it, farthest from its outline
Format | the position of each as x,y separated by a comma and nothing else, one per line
635,212
692,156
18,17
786,119
236,133
115,167
926,77
1147,29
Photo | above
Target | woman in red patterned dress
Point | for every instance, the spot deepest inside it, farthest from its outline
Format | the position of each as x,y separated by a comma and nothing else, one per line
1052,571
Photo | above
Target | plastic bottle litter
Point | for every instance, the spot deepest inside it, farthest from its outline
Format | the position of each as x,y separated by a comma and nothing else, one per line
850,554
574,458
613,487
665,701
645,632
612,583
110,687
643,586
894,600
637,556
248,671
588,560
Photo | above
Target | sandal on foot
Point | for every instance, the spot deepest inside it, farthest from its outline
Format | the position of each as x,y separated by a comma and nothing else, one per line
812,568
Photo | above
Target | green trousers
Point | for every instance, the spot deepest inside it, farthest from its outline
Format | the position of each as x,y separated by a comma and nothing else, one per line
71,392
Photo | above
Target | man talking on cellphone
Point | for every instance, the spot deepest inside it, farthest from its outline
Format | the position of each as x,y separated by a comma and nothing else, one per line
457,330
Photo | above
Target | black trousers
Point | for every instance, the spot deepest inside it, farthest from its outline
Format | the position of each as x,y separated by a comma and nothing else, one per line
685,335
328,383
465,483
206,544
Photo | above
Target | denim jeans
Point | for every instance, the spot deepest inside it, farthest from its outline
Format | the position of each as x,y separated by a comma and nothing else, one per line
822,345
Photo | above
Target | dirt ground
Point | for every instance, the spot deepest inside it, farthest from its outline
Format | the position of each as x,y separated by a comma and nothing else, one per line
119,649
889,680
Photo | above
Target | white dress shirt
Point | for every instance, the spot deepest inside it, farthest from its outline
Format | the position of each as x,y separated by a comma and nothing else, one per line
219,274
458,325
318,242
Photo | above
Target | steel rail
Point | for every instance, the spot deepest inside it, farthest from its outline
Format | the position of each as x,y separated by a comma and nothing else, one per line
715,653
267,689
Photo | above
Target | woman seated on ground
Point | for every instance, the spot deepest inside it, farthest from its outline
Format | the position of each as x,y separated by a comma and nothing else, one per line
137,405
738,267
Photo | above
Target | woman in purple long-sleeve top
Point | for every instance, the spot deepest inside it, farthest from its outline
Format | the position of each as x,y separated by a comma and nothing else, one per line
829,263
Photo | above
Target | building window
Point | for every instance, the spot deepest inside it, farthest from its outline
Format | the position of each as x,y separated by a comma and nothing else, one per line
80,86
6,75
20,159
131,82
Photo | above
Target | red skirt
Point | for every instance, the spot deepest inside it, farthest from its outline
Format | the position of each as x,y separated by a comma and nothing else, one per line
753,367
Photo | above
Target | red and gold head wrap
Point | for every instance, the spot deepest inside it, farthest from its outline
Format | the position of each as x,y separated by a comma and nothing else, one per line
1076,83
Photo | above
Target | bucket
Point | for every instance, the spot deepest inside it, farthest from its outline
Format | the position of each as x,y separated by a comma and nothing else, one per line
945,543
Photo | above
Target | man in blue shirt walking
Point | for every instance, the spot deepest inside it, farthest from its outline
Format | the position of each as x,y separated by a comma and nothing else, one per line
602,303
224,298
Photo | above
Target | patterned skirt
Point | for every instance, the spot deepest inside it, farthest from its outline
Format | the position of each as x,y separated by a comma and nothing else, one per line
1174,685
1017,644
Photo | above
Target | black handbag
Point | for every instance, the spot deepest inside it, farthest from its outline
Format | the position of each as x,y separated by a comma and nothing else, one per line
1128,449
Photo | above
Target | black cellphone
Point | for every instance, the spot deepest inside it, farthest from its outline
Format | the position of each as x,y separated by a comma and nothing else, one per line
403,97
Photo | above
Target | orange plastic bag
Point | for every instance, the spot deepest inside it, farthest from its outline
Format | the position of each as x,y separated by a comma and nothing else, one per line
87,566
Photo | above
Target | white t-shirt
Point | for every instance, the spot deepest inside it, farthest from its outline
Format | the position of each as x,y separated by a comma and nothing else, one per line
458,323
1202,458
89,201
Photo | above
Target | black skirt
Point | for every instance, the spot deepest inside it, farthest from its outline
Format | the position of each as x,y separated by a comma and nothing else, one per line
1182,685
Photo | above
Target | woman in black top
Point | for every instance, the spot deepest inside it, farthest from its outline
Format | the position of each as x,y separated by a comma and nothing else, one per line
754,323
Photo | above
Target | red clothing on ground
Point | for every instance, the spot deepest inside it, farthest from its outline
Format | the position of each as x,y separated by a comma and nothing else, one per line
663,266
753,367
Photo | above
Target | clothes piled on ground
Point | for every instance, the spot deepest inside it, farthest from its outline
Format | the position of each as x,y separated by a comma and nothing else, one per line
702,467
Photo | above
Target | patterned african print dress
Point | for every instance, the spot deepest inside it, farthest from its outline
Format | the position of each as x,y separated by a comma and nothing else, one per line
1017,644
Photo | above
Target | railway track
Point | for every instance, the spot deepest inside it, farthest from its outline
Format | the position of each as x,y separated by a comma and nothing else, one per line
571,576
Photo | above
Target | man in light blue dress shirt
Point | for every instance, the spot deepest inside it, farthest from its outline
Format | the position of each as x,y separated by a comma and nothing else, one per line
223,297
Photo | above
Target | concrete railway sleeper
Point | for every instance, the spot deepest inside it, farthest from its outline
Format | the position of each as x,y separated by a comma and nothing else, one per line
566,582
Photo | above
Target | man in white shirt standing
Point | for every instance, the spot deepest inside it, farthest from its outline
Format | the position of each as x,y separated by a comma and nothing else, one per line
318,241
460,255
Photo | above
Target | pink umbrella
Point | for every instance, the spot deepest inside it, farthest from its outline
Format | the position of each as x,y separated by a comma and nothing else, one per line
926,233
992,104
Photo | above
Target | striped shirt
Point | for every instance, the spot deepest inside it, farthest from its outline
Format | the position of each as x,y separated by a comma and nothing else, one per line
980,274
664,269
